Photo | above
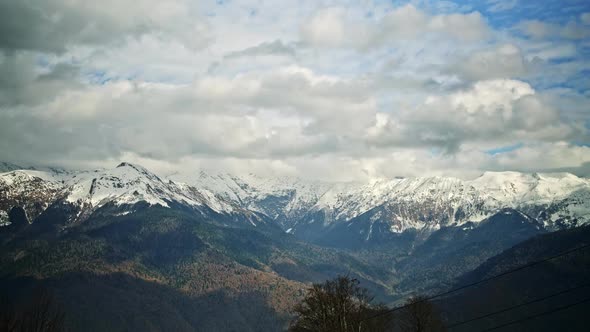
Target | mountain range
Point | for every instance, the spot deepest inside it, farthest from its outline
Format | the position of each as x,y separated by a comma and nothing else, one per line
205,240
310,209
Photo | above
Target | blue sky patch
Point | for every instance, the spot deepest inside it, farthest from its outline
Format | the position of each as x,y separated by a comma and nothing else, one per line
504,149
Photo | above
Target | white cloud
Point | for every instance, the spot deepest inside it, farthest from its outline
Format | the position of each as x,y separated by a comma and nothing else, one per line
541,30
502,61
287,112
551,156
56,25
326,28
467,27
490,113
327,90
336,27
403,23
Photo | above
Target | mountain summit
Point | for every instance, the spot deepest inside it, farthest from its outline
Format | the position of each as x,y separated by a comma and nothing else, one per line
306,208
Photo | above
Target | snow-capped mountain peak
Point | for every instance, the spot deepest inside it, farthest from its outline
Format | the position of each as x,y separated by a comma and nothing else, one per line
125,184
417,201
87,191
555,199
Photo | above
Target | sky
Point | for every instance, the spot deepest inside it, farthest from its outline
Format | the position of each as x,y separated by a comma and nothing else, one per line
332,90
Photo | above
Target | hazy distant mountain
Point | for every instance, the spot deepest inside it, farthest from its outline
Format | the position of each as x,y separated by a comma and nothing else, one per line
7,167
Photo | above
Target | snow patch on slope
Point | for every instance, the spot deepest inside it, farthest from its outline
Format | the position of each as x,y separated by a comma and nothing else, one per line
404,203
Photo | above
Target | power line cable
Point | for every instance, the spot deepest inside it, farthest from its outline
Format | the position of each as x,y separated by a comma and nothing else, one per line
522,267
524,304
544,313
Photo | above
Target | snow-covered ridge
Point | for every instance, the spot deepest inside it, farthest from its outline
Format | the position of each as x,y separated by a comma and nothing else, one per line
260,194
126,184
523,188
25,189
420,202
411,202
501,189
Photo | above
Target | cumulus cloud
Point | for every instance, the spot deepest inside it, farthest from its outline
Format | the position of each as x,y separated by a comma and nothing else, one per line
324,90
326,28
472,162
22,83
284,113
33,32
502,61
293,113
540,30
491,113
54,25
335,27
552,156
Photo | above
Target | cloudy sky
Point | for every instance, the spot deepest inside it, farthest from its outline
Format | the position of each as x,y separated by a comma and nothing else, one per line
324,89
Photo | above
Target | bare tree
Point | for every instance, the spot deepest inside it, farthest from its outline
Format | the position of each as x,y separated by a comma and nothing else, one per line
338,305
420,315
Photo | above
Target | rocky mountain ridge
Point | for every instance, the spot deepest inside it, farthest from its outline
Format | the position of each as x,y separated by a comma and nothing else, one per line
558,200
